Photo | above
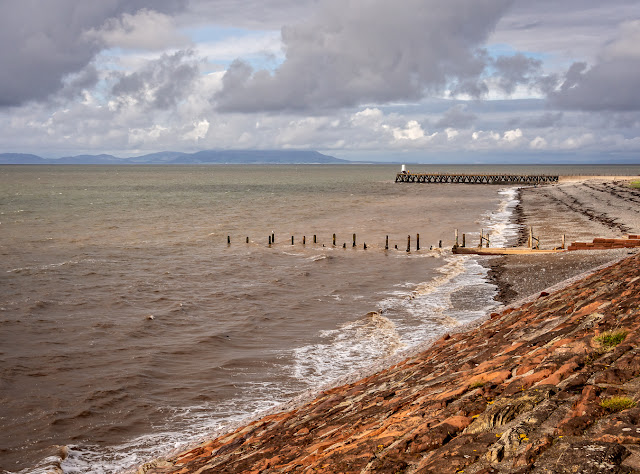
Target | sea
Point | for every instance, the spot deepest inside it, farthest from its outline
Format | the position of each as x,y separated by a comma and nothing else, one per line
143,308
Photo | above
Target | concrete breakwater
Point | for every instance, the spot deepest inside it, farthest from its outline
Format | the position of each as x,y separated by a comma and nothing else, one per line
548,386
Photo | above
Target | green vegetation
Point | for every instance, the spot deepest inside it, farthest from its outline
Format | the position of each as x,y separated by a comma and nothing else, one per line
610,339
616,404
477,384
634,184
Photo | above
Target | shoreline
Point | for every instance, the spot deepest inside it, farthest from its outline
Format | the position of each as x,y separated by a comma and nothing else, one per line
571,208
505,272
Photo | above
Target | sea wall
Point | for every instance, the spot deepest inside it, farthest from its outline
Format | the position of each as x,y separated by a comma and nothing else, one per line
532,389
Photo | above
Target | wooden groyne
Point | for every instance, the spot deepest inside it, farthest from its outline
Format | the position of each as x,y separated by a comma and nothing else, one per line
405,177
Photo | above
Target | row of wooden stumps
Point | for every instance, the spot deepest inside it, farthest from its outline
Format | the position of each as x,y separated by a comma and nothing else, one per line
272,240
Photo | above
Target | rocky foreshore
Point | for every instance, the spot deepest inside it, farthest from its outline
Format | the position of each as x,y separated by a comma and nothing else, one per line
548,386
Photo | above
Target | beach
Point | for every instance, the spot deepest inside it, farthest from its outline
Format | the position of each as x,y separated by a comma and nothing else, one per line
581,208
450,408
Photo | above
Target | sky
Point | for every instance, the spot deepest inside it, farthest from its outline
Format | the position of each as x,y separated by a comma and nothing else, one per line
414,80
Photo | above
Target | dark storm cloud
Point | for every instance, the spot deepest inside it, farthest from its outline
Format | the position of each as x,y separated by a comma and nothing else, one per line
44,41
161,83
512,71
358,51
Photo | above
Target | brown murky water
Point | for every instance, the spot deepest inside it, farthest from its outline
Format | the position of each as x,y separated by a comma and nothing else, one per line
129,326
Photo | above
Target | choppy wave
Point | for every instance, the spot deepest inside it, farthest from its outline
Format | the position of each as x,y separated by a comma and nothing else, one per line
405,315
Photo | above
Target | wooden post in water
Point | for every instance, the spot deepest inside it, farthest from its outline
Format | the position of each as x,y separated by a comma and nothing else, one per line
292,240
481,237
439,243
365,246
344,245
247,239
334,240
273,237
563,240
408,243
304,240
228,240
487,239
464,238
269,241
417,242
456,244
354,240
386,243
315,240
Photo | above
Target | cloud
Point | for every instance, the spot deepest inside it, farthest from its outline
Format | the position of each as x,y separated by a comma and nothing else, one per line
43,42
562,31
544,120
609,84
515,70
145,29
353,52
412,131
456,117
160,84
252,14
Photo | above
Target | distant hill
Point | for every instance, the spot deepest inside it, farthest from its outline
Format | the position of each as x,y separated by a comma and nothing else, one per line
171,157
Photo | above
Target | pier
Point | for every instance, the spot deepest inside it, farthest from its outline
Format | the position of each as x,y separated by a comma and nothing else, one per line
405,177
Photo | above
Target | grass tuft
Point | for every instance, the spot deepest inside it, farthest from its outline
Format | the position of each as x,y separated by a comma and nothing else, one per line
610,339
477,384
617,403
634,184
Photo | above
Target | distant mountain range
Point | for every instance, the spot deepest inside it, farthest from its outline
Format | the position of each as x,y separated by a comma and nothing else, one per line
177,158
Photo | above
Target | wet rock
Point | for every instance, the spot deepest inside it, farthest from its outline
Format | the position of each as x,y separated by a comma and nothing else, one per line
585,457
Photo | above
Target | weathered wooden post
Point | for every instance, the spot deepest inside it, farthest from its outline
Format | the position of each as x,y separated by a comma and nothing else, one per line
269,241
488,239
304,240
273,237
408,243
456,244
464,238
563,240
439,243
365,246
530,242
344,245
247,239
386,243
334,240
228,240
481,237
417,242
315,239
354,240
292,240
